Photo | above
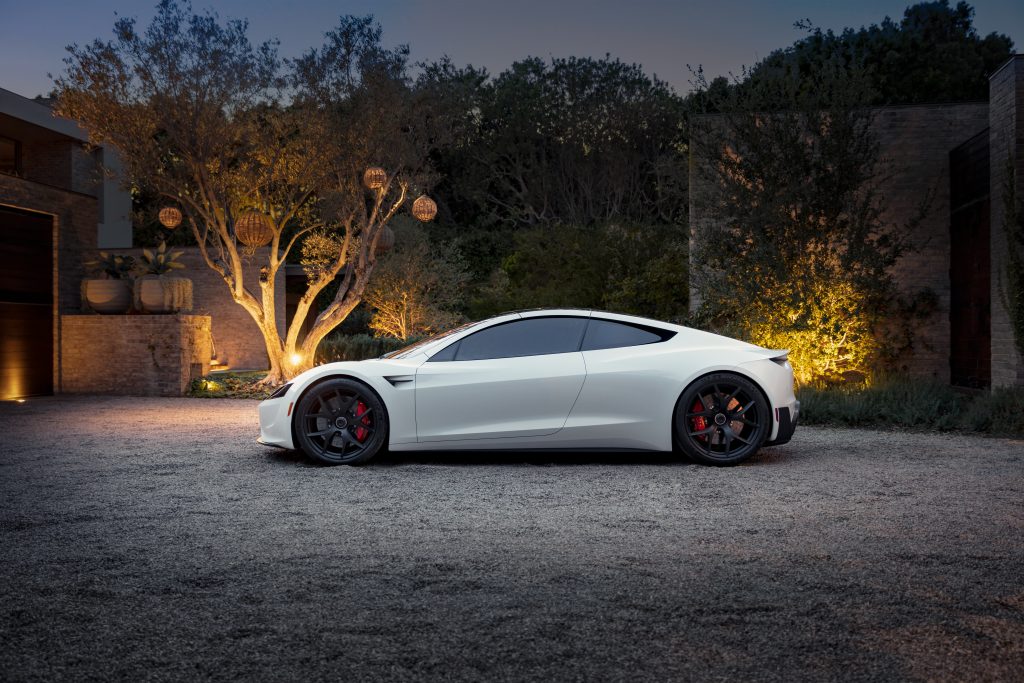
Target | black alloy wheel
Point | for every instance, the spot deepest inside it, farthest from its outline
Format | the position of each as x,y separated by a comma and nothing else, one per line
722,419
340,422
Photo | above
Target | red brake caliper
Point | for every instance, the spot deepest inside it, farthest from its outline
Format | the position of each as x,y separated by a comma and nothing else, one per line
361,432
699,423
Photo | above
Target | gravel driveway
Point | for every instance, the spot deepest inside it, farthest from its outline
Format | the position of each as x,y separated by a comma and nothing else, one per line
152,538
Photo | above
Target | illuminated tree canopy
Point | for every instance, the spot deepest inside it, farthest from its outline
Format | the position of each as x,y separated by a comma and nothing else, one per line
222,128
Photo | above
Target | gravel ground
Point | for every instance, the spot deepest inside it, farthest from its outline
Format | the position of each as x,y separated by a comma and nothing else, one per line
152,538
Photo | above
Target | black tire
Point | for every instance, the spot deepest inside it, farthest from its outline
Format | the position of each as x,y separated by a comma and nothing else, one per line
340,422
721,419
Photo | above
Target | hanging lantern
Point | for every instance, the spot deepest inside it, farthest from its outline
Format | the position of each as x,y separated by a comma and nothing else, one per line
424,208
375,177
386,241
170,217
253,229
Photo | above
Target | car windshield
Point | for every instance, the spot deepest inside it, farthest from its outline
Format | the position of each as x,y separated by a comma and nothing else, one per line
411,349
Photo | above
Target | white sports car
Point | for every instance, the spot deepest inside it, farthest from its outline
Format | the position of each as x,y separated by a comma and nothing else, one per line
544,379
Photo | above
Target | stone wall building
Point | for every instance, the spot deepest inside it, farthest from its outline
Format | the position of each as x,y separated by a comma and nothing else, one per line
956,157
61,201
55,206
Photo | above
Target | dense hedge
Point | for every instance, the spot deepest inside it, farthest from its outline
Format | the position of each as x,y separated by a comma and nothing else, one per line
904,402
341,347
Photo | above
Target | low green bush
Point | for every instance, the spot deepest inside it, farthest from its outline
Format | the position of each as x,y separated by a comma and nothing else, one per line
231,385
915,403
340,347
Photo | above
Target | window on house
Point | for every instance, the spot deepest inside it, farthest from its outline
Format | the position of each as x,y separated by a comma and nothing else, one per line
10,156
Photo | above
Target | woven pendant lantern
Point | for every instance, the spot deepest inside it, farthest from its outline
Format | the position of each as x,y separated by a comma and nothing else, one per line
170,217
375,177
386,241
424,208
253,229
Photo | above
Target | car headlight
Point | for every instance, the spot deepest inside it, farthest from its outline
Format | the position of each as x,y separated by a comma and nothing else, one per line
280,391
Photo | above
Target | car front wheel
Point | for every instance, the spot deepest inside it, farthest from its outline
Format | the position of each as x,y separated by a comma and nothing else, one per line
340,422
721,419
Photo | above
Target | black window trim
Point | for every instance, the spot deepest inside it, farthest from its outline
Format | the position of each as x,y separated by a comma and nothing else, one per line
661,332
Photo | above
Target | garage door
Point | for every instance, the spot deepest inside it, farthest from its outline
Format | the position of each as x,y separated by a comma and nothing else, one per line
26,304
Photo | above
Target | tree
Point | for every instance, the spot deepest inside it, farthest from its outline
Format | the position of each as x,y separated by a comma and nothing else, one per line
795,252
934,54
635,269
572,141
418,288
200,118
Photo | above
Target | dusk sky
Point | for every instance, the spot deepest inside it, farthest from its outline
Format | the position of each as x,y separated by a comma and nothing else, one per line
664,36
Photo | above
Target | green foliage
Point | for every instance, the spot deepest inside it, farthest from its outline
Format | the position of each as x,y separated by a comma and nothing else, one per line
796,252
1012,288
648,271
887,403
161,261
566,141
231,385
114,266
625,268
934,54
418,287
204,118
563,266
915,403
998,412
341,347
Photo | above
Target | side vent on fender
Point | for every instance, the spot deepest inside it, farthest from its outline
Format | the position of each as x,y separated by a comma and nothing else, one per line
395,380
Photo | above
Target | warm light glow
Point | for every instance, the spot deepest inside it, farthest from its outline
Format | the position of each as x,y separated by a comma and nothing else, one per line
170,217
424,208
375,177
296,359
21,400
254,229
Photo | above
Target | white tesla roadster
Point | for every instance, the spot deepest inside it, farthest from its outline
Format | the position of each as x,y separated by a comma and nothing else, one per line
544,379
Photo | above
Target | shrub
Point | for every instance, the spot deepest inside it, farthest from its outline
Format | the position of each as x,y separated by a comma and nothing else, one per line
341,347
231,385
793,246
906,402
1000,412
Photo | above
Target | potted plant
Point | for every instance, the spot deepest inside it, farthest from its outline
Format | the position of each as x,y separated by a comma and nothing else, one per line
157,291
110,293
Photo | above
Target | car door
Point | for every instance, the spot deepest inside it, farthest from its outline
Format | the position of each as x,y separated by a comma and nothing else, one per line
630,390
514,379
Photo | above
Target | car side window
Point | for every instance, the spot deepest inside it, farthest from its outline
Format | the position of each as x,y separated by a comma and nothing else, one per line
528,337
447,353
607,334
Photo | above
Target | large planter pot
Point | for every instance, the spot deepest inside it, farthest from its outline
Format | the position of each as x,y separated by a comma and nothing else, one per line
163,294
107,296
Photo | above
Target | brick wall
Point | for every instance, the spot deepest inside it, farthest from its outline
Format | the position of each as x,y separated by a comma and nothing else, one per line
236,338
134,355
915,144
1006,145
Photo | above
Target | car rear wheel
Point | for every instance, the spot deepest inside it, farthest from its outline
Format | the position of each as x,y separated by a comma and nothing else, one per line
340,422
722,419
